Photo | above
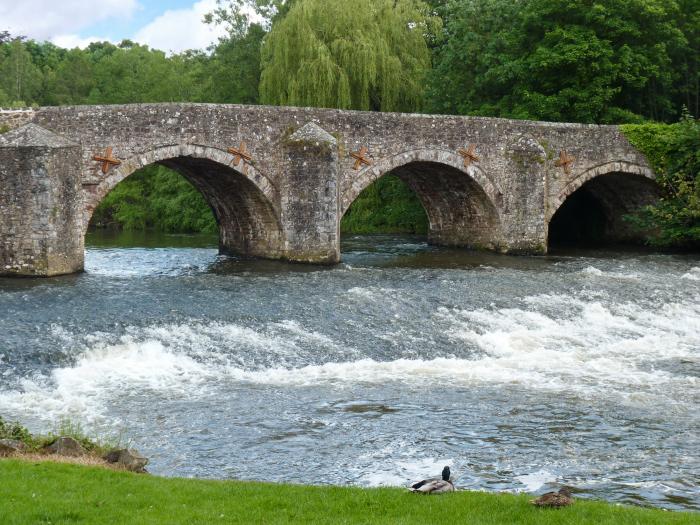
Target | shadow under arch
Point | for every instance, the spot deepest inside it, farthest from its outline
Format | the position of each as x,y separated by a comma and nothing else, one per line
461,203
591,208
242,201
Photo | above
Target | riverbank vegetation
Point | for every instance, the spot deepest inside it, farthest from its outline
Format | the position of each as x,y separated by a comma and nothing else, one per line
155,198
633,62
388,205
63,493
39,486
674,153
67,443
14,434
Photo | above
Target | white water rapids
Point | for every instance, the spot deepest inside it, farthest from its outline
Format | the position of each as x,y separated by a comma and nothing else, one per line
521,373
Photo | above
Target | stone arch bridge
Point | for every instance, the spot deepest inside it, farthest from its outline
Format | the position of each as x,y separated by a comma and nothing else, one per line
279,179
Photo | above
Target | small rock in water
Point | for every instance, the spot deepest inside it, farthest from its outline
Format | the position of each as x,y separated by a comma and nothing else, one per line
130,459
10,446
66,446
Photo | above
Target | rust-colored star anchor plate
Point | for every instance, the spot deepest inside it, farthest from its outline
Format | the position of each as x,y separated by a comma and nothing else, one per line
360,158
240,154
469,155
565,161
107,161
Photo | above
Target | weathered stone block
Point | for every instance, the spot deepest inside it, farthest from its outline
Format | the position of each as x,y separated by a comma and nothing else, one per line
311,156
128,459
8,447
66,446
41,203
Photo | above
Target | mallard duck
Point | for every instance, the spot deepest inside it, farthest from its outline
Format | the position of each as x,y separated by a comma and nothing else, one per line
554,499
434,485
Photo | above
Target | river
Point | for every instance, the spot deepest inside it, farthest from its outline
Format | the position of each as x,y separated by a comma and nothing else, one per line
522,373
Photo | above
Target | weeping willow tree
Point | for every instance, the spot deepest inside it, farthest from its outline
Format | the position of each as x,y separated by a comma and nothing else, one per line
365,54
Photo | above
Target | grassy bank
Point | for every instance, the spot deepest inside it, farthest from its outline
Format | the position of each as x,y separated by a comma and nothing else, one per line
61,493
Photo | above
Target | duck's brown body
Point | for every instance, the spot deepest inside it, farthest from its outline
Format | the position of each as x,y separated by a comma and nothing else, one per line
554,499
434,485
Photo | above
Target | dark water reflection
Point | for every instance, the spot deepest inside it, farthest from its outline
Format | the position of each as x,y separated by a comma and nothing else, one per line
523,373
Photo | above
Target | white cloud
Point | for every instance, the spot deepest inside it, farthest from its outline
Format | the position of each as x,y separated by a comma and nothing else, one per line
46,19
181,29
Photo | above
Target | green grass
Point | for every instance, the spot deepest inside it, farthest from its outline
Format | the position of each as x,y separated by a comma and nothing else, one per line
33,493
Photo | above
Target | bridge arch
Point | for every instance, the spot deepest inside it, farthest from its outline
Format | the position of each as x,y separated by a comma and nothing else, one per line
242,200
461,203
591,207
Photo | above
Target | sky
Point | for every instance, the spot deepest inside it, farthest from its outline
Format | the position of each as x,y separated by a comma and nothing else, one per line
172,25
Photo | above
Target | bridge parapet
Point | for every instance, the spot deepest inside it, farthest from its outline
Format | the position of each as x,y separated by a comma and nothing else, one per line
14,118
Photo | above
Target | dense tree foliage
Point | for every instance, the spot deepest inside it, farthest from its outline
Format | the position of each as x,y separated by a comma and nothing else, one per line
20,77
155,198
234,70
674,152
388,205
33,73
606,61
236,15
576,60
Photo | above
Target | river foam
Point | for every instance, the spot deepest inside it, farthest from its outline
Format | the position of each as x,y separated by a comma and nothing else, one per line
583,344
592,271
550,342
692,275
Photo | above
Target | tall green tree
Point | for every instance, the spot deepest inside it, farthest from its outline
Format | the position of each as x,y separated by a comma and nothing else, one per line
20,78
233,70
370,55
133,73
237,15
565,60
73,79
687,59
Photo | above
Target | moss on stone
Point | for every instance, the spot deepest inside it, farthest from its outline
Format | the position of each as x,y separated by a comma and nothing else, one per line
549,152
312,257
311,148
312,139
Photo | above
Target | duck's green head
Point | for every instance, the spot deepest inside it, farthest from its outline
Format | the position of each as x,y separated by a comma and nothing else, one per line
446,474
